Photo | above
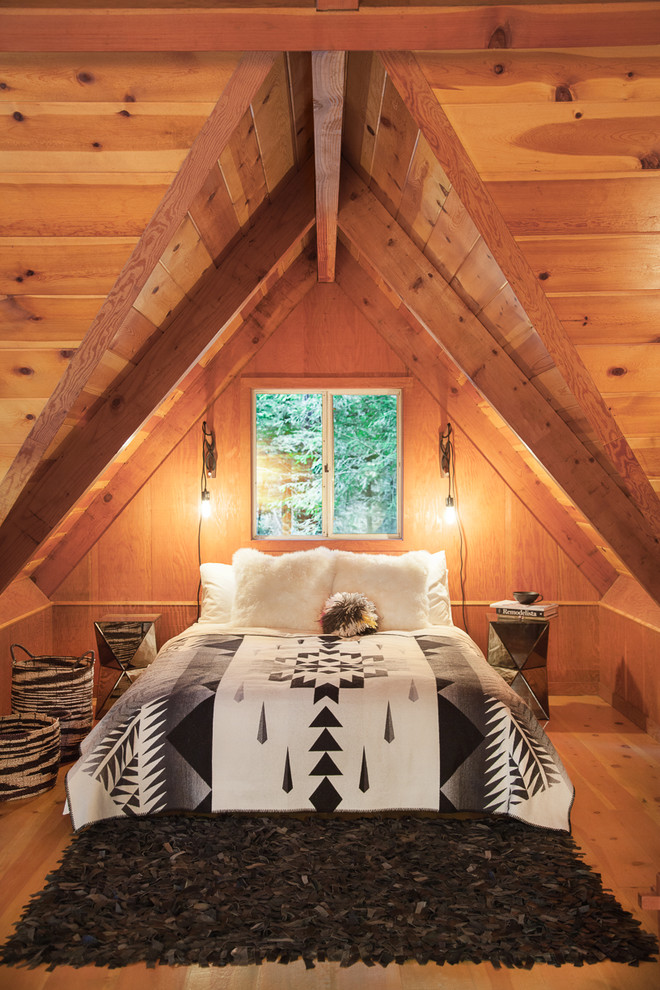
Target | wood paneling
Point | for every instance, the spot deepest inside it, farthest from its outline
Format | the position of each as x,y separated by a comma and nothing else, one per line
623,204
506,76
595,263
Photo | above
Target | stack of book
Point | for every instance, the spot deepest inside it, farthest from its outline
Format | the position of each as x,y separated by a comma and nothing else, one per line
539,610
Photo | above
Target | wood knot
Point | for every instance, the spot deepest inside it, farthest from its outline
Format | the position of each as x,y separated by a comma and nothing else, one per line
386,122
129,98
652,160
563,95
4,85
498,69
25,371
500,38
418,283
124,113
107,497
66,355
17,115
85,77
117,402
544,275
617,371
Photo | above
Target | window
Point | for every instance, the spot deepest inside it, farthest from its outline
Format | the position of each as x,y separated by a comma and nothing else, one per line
326,463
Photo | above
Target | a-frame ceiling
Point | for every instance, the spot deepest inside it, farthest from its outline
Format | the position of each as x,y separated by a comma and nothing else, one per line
489,197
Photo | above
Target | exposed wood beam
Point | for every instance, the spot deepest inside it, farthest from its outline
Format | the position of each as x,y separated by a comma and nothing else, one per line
433,27
410,275
418,96
209,144
433,367
199,390
125,407
328,70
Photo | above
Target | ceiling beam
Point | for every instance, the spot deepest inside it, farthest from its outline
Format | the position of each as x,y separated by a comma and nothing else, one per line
420,287
328,70
433,368
199,390
122,410
204,153
415,91
431,27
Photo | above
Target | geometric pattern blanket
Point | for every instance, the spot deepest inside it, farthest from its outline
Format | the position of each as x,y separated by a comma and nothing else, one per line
226,721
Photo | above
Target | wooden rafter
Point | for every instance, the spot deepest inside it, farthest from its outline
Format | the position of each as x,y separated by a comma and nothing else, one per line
414,89
208,146
410,275
433,27
124,408
221,370
433,367
328,90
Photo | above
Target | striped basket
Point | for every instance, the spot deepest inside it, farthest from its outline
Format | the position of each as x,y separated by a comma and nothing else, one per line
29,755
61,686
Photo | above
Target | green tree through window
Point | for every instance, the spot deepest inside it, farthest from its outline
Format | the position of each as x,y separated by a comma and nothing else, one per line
326,463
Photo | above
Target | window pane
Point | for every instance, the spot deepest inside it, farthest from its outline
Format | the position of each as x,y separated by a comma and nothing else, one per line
289,464
365,463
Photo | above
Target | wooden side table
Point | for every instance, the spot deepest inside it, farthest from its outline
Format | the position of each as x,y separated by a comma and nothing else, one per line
518,650
126,644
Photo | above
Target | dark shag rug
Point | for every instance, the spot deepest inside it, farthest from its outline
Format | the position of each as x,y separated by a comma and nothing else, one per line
240,890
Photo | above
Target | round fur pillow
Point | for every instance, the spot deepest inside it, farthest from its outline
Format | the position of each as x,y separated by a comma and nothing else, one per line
348,613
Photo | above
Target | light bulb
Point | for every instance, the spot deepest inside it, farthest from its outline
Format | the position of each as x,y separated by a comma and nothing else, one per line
450,511
205,507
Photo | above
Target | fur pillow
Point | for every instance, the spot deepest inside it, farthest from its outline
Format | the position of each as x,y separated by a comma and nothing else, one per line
285,592
348,613
395,584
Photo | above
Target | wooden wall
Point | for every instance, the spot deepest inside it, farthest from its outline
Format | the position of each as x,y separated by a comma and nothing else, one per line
147,560
26,618
629,629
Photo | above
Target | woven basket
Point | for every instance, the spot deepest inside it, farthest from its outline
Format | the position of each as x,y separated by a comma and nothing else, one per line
56,685
29,755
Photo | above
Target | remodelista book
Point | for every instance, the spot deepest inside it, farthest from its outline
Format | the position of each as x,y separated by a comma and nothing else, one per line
540,610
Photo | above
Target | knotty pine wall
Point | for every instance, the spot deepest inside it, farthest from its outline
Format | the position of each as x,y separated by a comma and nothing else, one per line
147,560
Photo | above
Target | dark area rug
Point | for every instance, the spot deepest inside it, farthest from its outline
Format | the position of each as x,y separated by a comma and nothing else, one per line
240,890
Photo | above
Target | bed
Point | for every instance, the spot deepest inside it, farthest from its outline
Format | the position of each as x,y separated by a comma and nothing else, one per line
256,708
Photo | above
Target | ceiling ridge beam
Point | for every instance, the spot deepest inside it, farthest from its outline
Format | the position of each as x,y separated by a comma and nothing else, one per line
421,288
328,72
124,408
414,89
431,366
432,27
221,370
205,151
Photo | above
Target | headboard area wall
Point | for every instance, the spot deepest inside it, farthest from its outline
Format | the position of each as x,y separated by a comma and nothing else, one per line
147,559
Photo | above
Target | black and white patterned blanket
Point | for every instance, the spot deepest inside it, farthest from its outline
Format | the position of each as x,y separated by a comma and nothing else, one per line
226,721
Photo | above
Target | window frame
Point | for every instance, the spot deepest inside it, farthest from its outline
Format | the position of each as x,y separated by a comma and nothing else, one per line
327,443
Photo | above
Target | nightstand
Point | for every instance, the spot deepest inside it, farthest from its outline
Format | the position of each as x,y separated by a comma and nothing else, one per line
126,645
518,651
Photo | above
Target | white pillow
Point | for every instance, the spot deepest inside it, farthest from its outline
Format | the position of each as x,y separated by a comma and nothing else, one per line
218,586
286,592
396,585
438,591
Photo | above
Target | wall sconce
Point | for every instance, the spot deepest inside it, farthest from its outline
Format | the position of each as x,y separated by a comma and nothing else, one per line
447,470
209,463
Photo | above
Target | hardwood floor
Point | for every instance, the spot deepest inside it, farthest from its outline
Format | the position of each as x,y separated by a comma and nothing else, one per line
616,820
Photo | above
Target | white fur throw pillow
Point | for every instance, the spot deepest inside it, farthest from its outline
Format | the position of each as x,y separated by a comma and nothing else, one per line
218,587
285,592
396,585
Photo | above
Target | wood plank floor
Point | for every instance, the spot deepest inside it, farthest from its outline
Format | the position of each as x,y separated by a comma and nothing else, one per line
616,821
